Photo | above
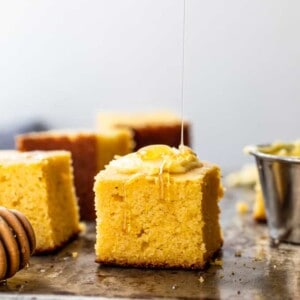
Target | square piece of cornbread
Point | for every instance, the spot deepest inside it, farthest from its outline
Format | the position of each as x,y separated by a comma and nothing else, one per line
40,185
148,128
156,209
91,151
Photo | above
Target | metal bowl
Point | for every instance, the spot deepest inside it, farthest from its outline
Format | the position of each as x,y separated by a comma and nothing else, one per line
280,181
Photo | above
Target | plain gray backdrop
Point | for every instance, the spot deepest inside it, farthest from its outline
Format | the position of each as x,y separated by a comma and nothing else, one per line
62,61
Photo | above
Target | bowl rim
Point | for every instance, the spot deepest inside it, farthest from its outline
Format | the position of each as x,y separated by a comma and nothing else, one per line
255,151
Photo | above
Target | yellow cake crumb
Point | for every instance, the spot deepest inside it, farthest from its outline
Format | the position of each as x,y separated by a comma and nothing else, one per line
242,207
201,279
217,262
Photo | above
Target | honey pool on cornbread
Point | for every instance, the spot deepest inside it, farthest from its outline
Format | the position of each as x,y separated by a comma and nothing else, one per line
158,207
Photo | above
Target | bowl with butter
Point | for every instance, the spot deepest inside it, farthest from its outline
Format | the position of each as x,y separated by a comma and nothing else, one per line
279,174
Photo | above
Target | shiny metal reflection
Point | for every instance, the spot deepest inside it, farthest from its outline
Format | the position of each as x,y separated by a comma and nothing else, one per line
280,181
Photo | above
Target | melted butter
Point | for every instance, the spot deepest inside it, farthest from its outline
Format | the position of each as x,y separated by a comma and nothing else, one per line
157,159
161,180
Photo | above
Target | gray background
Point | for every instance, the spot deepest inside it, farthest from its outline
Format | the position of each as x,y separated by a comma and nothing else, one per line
62,61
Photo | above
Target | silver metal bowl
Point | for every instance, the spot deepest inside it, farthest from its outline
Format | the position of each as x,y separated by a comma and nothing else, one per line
280,181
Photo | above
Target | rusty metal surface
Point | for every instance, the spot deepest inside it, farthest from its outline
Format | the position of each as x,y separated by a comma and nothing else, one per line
250,269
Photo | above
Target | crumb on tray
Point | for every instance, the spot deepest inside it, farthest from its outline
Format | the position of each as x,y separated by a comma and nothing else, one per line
201,279
217,262
242,207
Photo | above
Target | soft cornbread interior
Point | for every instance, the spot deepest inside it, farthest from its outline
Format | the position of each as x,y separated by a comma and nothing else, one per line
159,221
40,185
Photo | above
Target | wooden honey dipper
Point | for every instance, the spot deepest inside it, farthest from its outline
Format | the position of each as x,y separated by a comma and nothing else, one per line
17,242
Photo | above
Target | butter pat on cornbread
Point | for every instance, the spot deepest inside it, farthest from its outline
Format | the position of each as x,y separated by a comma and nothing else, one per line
40,185
158,207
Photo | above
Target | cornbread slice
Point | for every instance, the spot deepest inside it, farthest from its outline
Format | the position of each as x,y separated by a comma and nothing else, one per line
259,211
158,207
148,128
40,185
91,151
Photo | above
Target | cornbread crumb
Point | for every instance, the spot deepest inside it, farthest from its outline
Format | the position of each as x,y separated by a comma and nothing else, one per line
74,254
242,207
217,262
257,259
201,279
83,227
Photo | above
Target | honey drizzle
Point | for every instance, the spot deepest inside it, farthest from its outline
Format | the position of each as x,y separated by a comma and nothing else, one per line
182,74
161,169
168,184
126,222
161,180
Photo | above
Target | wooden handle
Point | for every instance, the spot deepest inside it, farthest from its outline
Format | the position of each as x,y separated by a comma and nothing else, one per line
17,242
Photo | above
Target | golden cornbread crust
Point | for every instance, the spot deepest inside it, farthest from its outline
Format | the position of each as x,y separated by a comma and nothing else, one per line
164,134
56,248
115,263
149,128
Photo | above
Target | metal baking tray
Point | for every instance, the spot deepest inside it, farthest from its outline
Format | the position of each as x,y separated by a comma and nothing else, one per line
247,267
